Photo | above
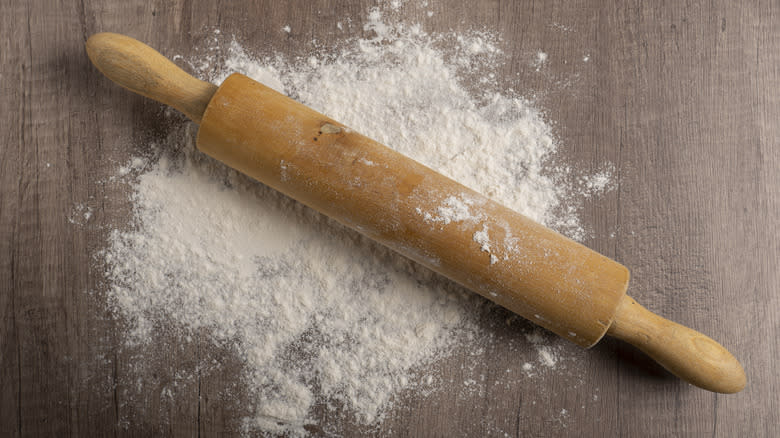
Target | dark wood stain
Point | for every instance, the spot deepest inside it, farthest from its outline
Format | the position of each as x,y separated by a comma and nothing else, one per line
683,98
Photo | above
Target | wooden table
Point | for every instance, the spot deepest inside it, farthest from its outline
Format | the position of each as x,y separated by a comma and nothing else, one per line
684,99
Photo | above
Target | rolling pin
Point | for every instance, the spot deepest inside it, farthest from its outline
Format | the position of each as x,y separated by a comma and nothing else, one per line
521,265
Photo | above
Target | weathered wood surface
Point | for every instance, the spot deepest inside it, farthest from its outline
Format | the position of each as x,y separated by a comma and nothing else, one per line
683,97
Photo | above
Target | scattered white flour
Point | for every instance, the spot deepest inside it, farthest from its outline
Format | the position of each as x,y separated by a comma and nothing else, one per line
80,215
547,356
483,239
452,209
136,164
540,60
319,315
598,183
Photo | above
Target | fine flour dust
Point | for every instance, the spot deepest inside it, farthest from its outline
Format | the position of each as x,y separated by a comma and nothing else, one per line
317,314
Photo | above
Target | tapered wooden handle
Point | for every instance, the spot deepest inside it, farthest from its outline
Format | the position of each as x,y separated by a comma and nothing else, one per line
139,68
685,352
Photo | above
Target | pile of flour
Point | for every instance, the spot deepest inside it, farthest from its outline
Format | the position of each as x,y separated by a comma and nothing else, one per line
319,315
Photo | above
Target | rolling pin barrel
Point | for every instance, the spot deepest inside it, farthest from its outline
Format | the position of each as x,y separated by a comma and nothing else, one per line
521,265
412,209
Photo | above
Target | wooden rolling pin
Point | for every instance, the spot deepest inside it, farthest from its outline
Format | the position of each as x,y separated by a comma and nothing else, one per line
521,265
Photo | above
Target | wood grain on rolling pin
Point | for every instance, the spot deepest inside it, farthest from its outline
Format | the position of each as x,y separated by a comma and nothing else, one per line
533,271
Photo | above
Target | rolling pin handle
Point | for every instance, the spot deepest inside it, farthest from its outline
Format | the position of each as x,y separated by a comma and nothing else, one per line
684,352
141,69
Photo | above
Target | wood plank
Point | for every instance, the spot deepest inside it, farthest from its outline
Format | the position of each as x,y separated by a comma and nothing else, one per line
11,54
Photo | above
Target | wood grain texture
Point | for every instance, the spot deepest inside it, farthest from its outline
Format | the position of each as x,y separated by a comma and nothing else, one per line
683,98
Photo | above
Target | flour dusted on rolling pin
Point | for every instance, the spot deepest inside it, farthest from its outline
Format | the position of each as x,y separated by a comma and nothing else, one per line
318,314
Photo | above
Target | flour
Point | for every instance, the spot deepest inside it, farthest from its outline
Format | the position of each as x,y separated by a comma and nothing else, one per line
547,356
452,209
483,239
318,314
540,60
80,215
598,183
